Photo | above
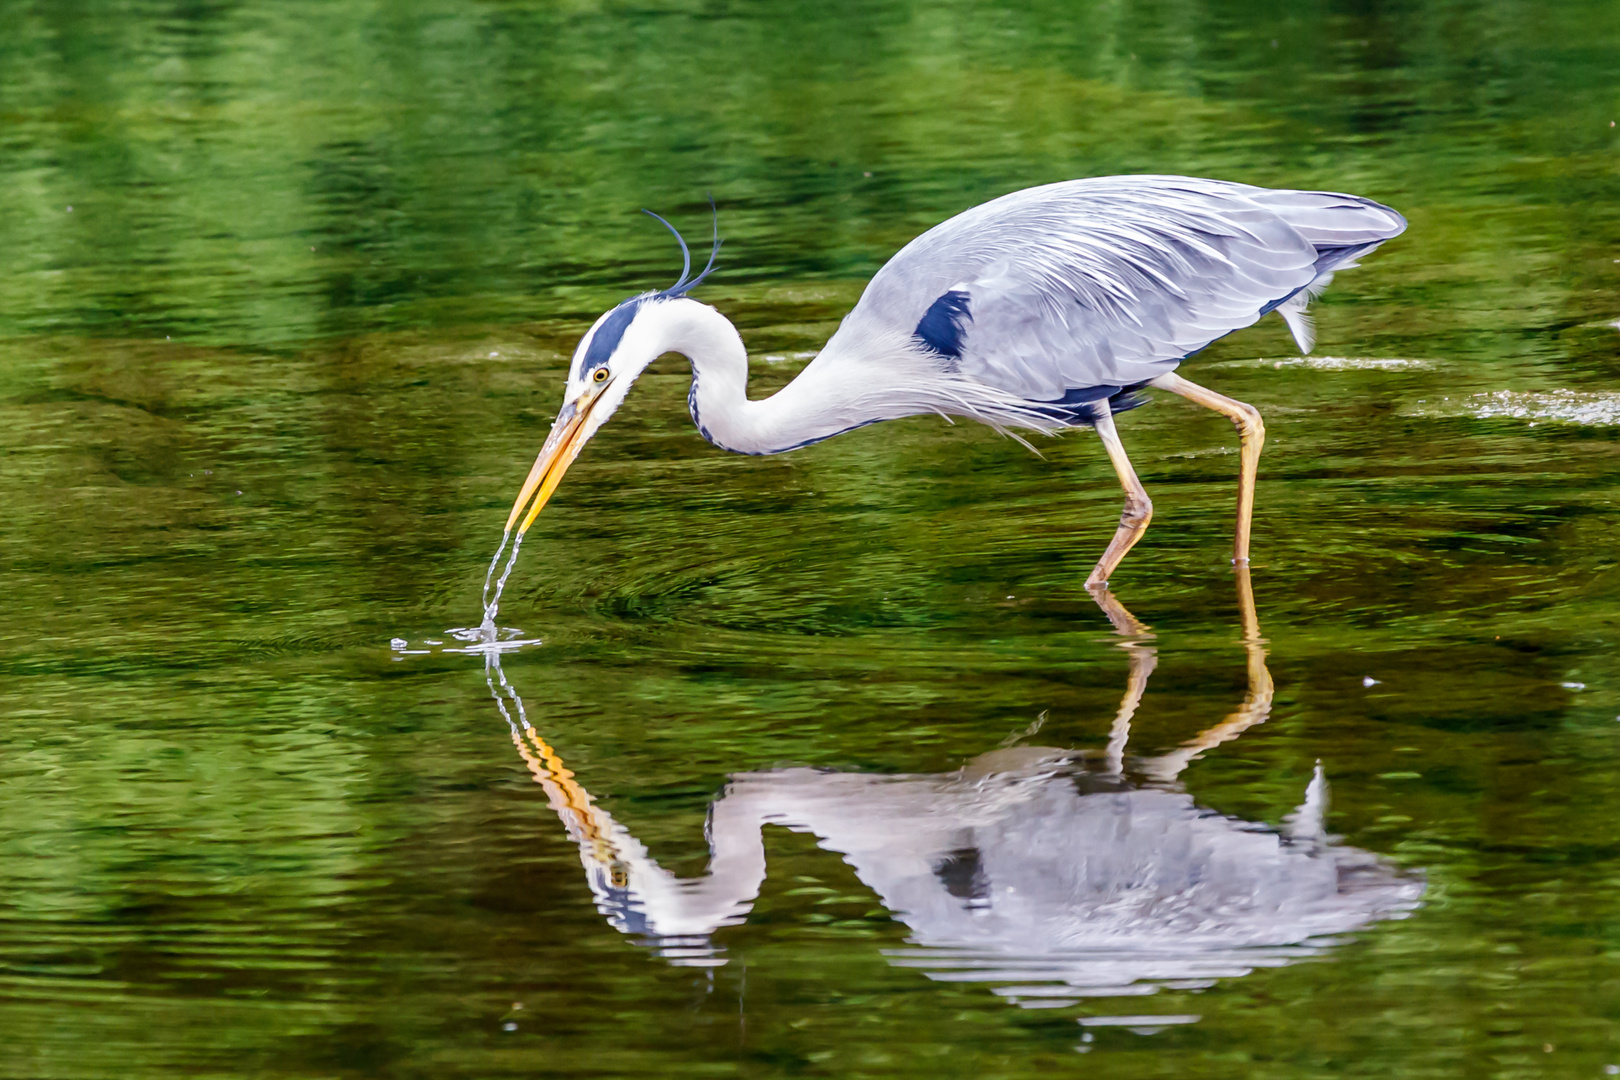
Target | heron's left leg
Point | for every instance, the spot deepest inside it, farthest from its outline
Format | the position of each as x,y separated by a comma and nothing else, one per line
1251,437
1133,521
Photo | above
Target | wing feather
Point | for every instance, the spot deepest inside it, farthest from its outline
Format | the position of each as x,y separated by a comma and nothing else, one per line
1113,281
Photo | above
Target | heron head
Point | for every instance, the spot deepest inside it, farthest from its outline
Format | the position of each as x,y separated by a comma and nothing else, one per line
617,348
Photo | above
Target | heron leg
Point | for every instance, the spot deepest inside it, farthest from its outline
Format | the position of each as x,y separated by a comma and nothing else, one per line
1133,522
1251,437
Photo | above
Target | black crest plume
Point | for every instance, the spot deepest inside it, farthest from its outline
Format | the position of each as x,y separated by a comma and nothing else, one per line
683,286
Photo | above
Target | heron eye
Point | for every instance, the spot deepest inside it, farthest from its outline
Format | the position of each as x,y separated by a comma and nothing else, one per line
601,374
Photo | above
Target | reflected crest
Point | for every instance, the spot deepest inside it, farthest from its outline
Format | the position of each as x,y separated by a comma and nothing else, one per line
1050,875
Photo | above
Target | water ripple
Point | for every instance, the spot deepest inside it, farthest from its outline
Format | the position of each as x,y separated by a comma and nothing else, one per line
1333,363
1589,408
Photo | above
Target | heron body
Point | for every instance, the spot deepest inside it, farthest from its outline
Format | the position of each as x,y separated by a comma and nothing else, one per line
1045,309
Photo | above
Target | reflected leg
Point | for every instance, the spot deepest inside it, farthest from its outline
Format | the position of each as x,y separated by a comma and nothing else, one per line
1144,658
1126,625
1143,661
1251,437
1133,522
1256,705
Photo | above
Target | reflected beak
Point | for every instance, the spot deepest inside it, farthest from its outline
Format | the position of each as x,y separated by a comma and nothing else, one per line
562,446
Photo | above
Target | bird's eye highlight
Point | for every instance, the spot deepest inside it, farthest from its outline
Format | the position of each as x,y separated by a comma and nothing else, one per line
601,374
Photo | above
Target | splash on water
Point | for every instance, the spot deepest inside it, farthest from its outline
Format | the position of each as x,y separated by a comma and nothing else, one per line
486,640
1591,408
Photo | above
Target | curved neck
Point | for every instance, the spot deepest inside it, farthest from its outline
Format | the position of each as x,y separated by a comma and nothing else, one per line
814,406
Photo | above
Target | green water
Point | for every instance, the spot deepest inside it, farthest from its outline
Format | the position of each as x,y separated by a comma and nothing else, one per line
286,291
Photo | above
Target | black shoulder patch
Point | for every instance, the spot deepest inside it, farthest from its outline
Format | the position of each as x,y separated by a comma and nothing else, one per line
608,335
944,323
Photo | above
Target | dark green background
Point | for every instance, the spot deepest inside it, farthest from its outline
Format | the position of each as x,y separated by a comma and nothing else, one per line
267,388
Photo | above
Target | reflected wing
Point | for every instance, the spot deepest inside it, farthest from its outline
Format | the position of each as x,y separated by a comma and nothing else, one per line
1112,281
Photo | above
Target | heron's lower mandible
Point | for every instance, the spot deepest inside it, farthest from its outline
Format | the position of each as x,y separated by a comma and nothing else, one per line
562,446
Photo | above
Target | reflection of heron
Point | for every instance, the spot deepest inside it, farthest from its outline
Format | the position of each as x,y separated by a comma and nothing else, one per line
1044,309
1054,874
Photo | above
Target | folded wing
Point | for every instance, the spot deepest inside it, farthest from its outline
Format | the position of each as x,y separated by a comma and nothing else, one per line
1110,282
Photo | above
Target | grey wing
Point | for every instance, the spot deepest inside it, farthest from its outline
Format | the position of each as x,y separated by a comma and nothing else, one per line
1111,282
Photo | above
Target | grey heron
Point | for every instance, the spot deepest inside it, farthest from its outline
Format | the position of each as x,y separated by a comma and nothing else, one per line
1041,310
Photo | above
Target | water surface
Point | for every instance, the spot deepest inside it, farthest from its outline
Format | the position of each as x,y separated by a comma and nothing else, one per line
268,387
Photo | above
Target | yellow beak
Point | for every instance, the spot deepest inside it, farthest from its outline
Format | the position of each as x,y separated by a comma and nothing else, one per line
562,446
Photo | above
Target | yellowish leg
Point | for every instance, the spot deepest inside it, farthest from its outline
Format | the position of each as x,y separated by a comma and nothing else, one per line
1133,522
1251,437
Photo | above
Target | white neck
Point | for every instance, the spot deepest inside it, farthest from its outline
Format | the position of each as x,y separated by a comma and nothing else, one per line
829,396
867,372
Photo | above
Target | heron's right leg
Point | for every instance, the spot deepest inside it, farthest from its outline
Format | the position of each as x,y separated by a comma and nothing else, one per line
1133,522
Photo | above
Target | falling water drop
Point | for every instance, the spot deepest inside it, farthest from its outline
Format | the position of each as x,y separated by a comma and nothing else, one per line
489,605
492,604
